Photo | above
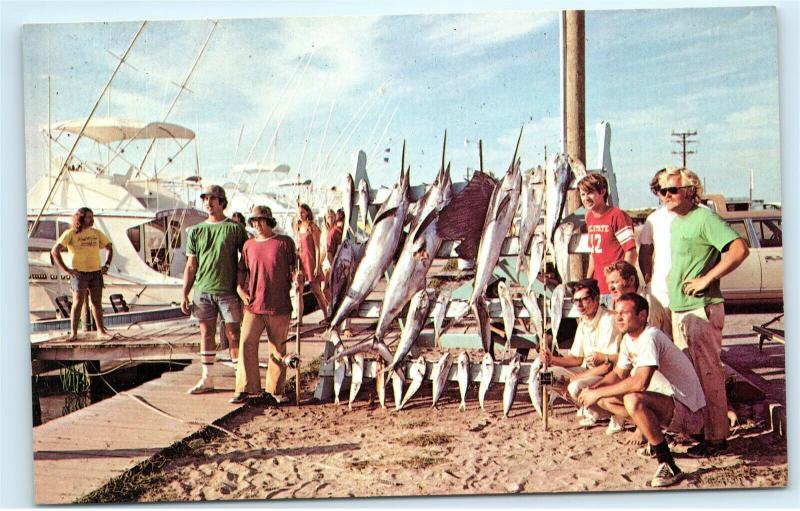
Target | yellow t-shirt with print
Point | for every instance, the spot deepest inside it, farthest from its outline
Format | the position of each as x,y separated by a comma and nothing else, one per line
84,247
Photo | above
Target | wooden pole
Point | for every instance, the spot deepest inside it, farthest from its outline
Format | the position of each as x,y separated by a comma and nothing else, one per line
297,349
574,106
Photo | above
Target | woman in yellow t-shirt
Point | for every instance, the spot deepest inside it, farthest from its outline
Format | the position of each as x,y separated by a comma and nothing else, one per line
84,242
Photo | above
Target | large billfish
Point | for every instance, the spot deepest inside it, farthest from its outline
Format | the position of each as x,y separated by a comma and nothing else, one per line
415,320
417,371
417,255
462,375
530,214
387,228
510,389
439,376
557,179
499,216
563,236
345,262
485,375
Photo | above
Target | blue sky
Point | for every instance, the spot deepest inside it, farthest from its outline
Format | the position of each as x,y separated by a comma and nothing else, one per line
385,79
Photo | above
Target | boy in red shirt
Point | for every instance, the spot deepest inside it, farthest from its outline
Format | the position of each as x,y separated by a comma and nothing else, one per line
610,229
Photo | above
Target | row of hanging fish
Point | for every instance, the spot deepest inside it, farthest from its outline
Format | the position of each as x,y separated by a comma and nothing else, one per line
440,376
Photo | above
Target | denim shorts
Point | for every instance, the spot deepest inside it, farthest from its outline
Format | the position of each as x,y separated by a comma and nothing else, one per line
207,305
86,280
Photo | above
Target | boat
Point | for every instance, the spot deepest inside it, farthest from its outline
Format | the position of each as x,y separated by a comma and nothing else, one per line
145,217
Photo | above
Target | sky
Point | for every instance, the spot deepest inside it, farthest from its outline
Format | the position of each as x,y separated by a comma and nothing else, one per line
320,89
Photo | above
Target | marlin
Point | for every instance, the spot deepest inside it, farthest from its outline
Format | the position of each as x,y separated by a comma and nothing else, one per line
340,368
415,320
530,214
417,370
356,378
439,377
506,310
558,178
363,201
485,375
462,375
510,389
563,236
417,254
387,228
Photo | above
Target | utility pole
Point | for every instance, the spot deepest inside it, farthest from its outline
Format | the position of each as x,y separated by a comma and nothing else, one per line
682,138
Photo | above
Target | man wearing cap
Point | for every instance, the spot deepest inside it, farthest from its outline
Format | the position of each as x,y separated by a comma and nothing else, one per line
267,270
593,352
212,262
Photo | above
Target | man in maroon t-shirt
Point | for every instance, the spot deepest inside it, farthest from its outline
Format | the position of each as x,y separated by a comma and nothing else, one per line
267,270
610,229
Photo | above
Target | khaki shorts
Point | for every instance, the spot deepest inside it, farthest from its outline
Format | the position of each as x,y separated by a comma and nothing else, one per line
684,420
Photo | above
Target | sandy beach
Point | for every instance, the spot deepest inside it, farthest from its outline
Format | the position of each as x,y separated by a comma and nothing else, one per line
328,451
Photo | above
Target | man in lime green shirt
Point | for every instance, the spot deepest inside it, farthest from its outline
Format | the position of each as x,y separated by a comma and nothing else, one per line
704,248
84,242
212,259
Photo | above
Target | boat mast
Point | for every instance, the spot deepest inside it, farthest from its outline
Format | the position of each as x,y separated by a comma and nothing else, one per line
83,128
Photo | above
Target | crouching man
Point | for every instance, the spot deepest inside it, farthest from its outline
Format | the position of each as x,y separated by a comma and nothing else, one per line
593,351
653,383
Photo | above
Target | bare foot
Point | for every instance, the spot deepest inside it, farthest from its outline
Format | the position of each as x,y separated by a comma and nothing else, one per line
635,438
72,337
104,335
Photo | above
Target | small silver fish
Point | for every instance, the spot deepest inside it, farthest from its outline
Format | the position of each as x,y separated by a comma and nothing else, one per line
441,371
462,375
556,309
417,370
534,388
485,375
416,318
341,366
481,310
439,310
535,321
561,241
380,383
506,310
537,250
510,389
397,390
356,378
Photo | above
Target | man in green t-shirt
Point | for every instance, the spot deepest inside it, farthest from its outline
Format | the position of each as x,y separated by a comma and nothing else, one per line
212,254
704,249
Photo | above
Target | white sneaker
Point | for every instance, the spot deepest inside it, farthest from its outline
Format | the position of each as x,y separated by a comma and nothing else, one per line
664,476
614,427
581,412
204,386
588,422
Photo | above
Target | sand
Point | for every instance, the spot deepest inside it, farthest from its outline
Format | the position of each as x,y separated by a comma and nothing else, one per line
327,451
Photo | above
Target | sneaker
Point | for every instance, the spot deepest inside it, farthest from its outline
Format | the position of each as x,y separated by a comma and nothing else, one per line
582,412
614,427
588,422
706,449
204,386
239,398
665,476
645,452
280,399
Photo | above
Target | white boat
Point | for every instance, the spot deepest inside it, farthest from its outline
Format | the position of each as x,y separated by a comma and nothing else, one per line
146,218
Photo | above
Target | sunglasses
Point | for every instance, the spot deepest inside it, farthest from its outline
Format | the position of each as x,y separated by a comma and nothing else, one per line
672,190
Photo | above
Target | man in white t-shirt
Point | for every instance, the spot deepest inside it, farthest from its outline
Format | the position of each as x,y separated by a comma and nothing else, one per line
593,351
653,383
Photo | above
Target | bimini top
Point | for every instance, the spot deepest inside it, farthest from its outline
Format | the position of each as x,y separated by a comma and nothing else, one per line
105,130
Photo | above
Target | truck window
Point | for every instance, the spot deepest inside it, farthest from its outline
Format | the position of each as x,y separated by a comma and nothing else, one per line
741,229
769,232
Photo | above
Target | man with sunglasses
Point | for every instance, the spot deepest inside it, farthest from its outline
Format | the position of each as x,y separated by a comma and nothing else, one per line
593,352
704,248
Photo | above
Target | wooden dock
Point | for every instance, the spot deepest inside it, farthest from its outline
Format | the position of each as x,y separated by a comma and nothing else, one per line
78,453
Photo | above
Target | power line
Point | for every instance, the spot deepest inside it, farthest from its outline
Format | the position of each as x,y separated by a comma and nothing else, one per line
682,138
